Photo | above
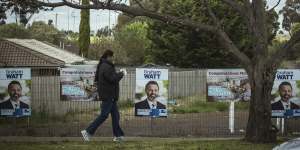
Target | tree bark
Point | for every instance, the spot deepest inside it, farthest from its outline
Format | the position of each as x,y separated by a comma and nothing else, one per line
259,127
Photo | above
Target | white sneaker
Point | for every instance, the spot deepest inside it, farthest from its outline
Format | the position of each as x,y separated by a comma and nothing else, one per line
118,139
86,136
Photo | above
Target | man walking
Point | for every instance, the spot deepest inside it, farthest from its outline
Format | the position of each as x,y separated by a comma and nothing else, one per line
107,80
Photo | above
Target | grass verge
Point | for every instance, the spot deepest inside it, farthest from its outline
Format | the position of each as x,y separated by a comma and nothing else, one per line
138,145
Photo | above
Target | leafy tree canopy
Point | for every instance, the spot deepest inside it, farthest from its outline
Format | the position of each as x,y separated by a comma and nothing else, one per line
105,31
14,31
25,9
133,41
186,47
291,14
44,32
38,30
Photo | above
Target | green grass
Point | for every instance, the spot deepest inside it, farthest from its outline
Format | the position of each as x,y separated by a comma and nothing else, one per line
138,145
125,104
193,104
198,106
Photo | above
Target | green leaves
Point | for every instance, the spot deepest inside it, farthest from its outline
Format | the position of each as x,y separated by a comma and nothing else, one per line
185,47
44,32
38,30
84,31
14,31
290,14
133,40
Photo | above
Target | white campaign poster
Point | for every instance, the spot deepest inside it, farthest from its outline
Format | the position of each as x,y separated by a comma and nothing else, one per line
151,92
77,83
15,92
286,93
228,85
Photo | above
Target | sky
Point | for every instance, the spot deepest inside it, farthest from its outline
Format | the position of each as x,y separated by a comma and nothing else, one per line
65,18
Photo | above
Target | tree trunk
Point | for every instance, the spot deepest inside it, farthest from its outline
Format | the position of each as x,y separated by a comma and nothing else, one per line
259,127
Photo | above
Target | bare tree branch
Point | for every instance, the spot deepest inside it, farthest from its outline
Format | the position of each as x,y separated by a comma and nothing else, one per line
140,5
136,12
223,37
278,2
109,2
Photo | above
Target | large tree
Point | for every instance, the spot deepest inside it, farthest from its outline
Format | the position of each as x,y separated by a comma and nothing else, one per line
257,59
195,49
43,32
23,9
84,30
38,30
134,43
14,31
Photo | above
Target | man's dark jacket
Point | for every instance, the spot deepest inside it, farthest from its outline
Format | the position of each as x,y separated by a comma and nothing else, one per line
107,80
7,105
278,106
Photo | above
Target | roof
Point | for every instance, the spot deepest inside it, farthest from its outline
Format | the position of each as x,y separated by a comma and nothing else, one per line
30,52
48,50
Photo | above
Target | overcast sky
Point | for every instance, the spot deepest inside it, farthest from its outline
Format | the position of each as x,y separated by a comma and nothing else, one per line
66,18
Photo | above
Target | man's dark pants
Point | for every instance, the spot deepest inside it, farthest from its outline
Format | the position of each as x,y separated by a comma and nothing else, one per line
107,107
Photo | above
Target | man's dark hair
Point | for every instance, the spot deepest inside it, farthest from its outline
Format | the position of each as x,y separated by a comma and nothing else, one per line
14,82
283,84
151,82
107,53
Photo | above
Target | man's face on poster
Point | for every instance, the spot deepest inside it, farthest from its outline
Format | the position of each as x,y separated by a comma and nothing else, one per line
152,91
14,91
285,92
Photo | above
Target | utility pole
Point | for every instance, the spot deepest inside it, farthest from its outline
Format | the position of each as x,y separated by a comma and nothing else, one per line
73,15
97,23
68,20
56,20
109,19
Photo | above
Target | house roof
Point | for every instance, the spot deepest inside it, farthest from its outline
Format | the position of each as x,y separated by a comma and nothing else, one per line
30,52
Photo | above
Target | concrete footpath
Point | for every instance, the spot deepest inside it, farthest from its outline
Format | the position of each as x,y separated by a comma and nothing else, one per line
79,139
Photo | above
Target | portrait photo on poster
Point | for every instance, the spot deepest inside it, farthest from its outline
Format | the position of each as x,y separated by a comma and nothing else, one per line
151,92
286,93
15,92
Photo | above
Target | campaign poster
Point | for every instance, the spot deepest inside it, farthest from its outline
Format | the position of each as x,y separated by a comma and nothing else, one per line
227,85
151,92
77,83
286,93
15,92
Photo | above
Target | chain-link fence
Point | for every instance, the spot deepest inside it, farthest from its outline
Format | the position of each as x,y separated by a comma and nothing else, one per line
189,115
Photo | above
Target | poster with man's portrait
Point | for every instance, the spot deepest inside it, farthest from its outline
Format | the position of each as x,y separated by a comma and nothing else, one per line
15,92
227,85
285,100
151,92
77,83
